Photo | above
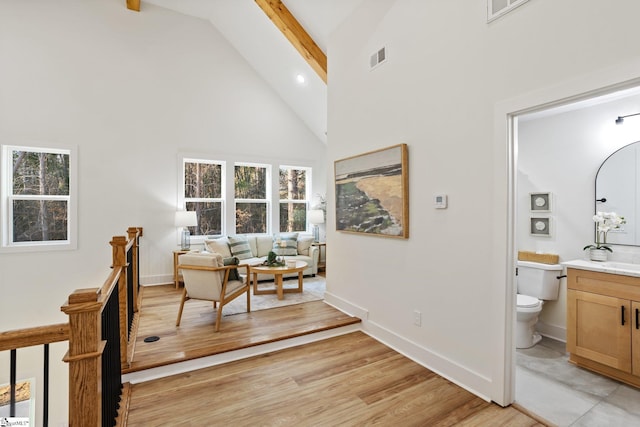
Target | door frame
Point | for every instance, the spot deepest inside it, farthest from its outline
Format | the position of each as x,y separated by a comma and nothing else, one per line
506,112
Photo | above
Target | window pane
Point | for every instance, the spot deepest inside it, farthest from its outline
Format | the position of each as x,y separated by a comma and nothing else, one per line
251,218
293,184
293,217
209,218
40,173
202,180
39,220
250,182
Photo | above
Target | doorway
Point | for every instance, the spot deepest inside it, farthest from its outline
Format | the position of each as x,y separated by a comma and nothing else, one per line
543,157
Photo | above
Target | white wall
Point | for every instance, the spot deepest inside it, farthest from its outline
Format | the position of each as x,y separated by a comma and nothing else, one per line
131,91
447,72
561,153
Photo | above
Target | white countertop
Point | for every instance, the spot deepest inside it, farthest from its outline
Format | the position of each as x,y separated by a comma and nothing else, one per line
614,267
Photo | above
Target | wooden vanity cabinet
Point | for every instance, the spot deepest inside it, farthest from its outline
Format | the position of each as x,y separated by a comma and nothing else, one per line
603,324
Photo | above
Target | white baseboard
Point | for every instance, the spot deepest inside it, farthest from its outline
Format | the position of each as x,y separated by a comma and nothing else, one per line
345,306
158,279
558,333
471,381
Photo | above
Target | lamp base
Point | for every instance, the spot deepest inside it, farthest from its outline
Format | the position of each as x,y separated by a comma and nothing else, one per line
185,239
316,233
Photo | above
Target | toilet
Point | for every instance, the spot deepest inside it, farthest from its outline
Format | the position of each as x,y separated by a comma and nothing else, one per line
536,283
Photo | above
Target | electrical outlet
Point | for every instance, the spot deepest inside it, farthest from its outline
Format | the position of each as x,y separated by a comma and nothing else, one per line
417,318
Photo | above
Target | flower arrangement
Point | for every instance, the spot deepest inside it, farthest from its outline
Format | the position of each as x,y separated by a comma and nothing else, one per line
605,222
273,261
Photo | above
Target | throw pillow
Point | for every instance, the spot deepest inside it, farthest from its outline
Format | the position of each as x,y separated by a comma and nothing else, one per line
240,247
233,273
220,245
304,243
287,245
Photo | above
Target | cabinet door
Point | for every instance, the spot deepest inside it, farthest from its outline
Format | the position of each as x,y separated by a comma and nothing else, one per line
635,334
599,328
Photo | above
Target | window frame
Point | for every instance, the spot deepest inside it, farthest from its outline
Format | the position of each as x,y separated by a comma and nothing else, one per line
183,200
7,245
266,201
307,197
511,5
228,211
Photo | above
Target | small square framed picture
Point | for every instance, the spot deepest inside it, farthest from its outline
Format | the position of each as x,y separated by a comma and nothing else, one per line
540,202
540,226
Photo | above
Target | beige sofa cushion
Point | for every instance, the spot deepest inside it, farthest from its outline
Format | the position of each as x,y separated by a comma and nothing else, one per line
263,245
304,243
219,245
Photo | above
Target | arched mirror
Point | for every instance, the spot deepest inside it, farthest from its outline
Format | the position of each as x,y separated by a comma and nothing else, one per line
617,190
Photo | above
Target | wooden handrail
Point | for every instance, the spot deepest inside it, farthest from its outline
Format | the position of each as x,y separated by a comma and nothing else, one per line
28,337
84,307
108,286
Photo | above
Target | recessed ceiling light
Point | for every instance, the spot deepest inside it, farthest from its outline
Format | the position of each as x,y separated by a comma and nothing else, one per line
300,79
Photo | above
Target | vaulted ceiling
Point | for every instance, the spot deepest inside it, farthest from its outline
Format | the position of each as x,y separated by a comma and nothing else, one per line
259,36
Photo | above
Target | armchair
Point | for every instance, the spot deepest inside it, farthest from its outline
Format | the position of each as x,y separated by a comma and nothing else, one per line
207,278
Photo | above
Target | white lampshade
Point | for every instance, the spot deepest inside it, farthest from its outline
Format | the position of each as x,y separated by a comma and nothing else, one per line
186,219
316,216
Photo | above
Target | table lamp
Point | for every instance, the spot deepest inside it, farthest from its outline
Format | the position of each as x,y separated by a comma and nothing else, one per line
316,216
186,219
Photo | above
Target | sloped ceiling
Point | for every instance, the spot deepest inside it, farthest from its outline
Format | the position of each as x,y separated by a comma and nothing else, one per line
252,33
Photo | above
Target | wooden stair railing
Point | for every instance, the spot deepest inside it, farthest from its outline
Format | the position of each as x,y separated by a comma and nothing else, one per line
31,337
99,339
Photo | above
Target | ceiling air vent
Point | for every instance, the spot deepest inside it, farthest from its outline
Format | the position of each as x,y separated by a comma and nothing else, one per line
377,58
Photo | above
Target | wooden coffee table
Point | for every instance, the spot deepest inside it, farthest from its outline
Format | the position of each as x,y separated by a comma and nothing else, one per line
277,273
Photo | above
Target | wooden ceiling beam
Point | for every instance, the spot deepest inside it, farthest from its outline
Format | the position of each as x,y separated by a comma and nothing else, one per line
133,5
297,36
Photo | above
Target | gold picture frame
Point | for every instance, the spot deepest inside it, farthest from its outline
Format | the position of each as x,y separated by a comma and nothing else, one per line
372,193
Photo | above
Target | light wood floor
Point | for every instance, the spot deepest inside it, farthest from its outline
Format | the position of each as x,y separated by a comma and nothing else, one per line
351,380
196,338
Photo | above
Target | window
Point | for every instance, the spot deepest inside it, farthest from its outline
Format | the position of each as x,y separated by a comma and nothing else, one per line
251,198
204,194
497,8
37,190
293,198
245,198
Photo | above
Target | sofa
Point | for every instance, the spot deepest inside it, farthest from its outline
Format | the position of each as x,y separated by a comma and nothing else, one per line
253,249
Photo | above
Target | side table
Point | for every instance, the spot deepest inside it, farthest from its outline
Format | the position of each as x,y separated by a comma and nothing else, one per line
322,265
177,277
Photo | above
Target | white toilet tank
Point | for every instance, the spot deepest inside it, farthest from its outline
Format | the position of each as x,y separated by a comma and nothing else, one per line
539,280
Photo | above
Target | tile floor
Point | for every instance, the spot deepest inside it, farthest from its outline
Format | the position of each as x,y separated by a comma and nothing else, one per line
565,395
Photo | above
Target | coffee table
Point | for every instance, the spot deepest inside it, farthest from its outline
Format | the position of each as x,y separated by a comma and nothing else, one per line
277,273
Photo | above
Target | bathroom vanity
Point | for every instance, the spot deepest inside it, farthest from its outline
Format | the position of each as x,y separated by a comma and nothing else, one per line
603,318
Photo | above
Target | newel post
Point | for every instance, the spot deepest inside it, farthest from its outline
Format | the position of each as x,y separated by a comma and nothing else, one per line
84,357
119,249
134,233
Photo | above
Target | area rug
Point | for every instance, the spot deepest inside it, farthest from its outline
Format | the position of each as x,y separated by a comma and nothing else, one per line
313,290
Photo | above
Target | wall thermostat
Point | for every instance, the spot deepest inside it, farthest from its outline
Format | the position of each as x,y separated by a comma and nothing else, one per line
440,201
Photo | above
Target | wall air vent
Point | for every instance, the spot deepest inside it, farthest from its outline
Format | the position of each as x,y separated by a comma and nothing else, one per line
377,58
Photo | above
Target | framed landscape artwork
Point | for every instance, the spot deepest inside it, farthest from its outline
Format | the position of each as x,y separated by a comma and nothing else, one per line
372,193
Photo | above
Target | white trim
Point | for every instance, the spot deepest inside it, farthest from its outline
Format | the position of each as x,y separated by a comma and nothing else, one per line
511,5
558,333
307,197
345,306
71,243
